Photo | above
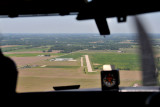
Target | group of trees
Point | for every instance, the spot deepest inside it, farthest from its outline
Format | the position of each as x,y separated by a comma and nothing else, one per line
71,48
69,42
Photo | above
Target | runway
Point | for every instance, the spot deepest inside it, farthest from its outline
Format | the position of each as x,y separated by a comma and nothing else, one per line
88,64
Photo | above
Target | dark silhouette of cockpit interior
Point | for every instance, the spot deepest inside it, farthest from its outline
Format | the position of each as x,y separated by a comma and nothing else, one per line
8,76
98,10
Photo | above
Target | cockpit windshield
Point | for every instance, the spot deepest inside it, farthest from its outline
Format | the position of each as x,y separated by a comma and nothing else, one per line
60,51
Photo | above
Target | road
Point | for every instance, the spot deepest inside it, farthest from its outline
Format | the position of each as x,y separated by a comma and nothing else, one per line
88,64
81,61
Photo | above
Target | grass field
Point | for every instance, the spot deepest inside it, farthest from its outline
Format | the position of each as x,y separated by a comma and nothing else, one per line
23,48
62,73
32,54
66,67
122,61
43,79
73,55
38,72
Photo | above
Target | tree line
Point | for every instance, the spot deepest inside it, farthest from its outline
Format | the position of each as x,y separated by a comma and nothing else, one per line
68,43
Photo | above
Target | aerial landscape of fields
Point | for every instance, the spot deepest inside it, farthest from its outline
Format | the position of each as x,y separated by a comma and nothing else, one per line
48,60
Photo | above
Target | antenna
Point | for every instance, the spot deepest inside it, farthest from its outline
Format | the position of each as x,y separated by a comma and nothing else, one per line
102,26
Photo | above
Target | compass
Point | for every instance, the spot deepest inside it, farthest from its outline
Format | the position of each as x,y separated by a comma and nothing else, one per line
110,80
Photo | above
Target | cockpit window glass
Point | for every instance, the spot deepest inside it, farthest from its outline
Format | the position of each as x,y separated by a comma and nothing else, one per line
60,51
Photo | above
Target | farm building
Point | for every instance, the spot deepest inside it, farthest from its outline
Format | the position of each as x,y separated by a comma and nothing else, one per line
44,55
63,59
108,67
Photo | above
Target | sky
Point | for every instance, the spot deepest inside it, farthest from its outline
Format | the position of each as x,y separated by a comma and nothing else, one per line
69,24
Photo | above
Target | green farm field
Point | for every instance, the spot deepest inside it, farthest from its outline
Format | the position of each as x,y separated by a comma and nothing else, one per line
34,55
31,54
122,61
47,74
23,48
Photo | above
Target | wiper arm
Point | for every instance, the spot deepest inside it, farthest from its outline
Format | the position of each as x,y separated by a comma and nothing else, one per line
149,77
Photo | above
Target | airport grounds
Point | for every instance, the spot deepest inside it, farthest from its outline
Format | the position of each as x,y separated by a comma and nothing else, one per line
39,71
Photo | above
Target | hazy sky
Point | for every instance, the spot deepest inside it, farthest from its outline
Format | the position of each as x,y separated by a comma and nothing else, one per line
69,24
